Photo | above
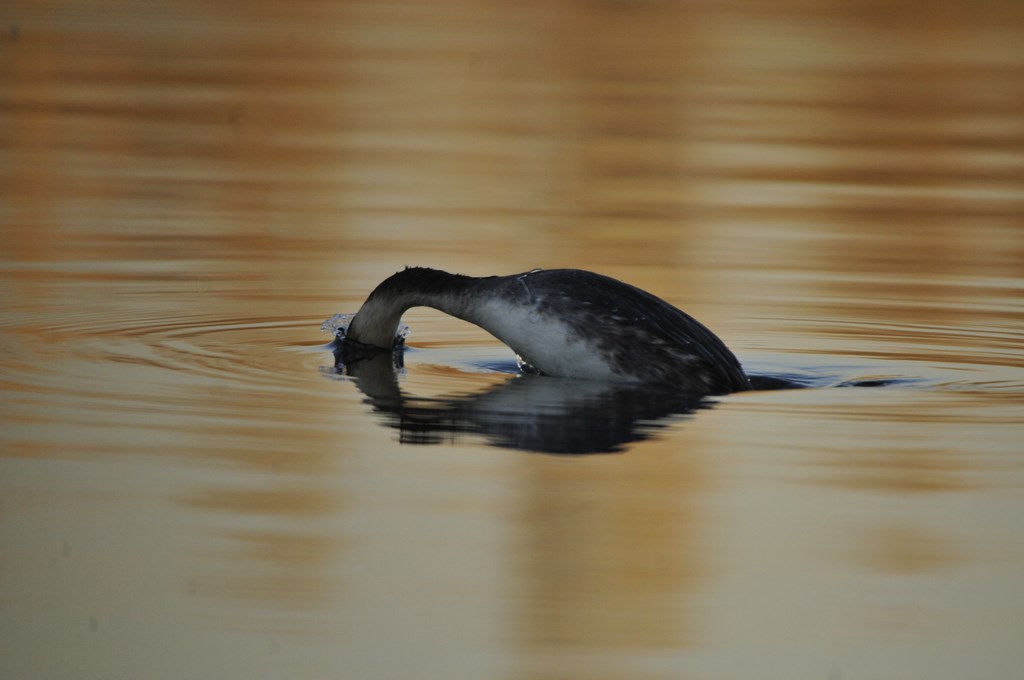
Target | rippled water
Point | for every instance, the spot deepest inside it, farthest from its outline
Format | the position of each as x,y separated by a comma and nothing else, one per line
192,486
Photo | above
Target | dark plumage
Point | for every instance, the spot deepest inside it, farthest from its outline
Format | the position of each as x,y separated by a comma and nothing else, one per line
564,322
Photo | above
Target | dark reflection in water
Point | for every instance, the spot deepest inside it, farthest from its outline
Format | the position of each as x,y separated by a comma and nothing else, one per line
528,412
554,415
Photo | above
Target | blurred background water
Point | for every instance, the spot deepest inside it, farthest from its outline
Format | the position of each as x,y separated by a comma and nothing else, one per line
189,487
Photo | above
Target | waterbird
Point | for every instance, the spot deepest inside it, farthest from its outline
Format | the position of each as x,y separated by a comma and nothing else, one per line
569,323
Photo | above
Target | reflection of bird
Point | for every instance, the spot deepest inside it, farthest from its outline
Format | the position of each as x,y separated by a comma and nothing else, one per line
563,322
527,412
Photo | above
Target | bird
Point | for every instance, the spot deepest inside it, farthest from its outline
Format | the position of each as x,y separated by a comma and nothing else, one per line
567,323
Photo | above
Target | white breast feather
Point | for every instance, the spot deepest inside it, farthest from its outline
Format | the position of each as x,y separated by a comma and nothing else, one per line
547,343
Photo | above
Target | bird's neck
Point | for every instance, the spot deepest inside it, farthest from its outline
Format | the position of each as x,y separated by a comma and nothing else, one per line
376,322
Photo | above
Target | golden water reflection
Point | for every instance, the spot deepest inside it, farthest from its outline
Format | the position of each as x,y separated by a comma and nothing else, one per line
609,544
187,191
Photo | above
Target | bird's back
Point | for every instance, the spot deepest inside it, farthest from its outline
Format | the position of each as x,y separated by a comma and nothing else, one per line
612,326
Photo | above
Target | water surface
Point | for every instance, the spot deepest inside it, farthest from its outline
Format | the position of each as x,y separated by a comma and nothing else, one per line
189,487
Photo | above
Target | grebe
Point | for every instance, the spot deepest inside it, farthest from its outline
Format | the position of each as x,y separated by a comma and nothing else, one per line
563,322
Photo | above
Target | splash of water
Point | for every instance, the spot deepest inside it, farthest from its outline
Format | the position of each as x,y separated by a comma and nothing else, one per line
338,325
